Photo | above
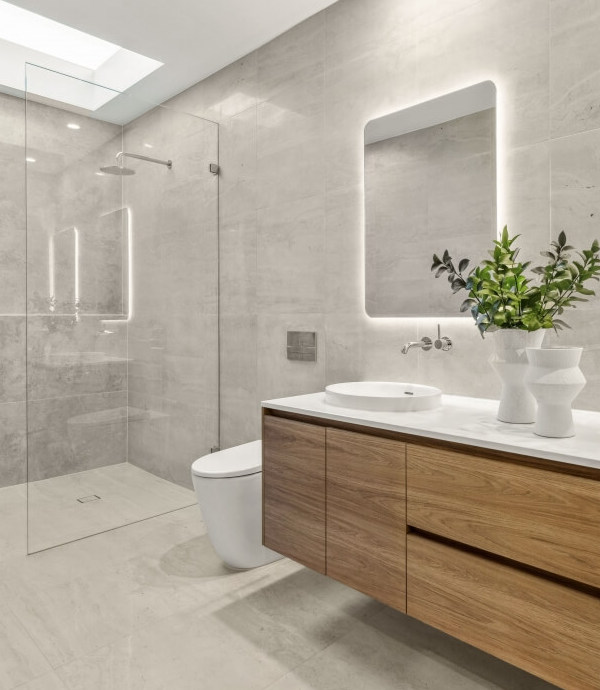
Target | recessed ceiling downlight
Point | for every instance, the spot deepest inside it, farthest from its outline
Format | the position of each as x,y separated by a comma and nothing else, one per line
72,125
27,37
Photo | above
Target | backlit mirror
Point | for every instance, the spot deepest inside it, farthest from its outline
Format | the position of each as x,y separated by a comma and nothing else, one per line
430,184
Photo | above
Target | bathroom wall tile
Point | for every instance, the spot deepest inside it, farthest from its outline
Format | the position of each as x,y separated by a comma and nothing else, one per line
357,90
344,251
237,160
360,348
525,208
20,658
173,435
13,444
575,66
290,256
522,73
458,50
276,375
382,350
238,264
295,56
12,364
240,414
222,95
465,369
290,158
12,205
355,27
61,442
574,182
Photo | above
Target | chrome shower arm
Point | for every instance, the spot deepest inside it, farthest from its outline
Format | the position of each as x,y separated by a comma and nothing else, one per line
124,154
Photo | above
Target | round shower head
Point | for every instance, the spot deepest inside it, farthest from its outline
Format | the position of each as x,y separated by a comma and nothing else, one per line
117,170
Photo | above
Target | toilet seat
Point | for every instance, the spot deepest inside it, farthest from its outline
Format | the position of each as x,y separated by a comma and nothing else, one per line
232,462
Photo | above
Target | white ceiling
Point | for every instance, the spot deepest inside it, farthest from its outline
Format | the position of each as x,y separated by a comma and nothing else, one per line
193,38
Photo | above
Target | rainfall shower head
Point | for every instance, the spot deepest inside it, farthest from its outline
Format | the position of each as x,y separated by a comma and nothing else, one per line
119,169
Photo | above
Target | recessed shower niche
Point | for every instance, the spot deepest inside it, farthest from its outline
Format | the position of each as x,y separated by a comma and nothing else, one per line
430,183
122,358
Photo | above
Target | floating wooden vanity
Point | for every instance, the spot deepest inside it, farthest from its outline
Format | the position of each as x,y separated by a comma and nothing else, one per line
499,547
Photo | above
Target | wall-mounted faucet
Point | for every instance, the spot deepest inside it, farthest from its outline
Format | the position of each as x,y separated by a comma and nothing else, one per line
425,344
442,343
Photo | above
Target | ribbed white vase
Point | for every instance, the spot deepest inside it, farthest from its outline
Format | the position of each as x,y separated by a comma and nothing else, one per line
509,361
555,380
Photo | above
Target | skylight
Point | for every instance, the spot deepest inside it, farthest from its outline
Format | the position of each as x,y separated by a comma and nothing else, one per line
26,37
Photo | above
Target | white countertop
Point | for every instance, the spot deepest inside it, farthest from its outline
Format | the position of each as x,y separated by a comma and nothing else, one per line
471,421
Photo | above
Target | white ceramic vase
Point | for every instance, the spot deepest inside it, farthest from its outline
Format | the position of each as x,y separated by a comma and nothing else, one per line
509,361
555,379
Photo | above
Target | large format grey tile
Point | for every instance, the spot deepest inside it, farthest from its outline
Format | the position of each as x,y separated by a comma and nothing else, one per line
20,658
575,66
290,256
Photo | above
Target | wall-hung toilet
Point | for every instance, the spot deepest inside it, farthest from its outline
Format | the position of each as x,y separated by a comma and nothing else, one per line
228,486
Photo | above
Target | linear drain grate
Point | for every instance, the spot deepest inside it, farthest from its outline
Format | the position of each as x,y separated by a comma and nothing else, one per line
87,499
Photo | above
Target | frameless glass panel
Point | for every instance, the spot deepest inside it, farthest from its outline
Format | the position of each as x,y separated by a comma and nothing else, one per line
122,358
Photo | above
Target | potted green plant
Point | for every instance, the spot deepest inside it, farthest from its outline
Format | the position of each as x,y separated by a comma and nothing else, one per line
519,303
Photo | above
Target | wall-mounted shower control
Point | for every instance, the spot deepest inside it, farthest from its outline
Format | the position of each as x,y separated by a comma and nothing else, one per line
302,346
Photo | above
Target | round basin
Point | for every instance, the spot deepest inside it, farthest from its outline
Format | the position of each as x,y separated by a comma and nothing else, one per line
383,396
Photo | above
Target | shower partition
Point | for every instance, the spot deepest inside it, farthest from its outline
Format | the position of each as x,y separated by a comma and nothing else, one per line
122,308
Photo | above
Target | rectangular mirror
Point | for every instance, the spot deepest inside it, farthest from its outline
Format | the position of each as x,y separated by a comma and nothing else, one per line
430,183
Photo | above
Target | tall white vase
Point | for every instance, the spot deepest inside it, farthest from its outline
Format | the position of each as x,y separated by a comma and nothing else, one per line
555,379
509,361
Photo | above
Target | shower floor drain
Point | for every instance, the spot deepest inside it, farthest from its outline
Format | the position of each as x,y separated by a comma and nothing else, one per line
87,499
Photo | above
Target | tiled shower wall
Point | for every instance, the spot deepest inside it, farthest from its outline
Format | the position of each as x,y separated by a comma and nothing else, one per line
292,115
173,335
12,291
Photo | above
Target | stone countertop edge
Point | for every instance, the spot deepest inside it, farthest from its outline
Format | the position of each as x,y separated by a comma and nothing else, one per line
464,420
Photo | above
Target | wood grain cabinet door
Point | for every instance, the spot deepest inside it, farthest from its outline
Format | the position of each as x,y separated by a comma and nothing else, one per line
544,518
541,626
366,509
294,490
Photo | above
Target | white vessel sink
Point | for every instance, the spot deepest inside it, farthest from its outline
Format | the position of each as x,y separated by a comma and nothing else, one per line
383,396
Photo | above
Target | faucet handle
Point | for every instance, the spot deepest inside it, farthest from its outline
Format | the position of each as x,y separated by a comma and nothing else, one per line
442,342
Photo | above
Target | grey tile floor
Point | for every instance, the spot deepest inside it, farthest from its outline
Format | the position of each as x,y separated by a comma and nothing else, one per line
151,607
127,494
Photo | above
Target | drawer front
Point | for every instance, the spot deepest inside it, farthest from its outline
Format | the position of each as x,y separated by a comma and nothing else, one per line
543,518
366,515
541,626
294,490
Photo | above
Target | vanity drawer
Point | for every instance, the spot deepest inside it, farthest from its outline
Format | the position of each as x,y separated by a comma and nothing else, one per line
541,626
544,518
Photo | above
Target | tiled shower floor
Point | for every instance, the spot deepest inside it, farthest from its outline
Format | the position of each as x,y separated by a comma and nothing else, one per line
151,607
66,508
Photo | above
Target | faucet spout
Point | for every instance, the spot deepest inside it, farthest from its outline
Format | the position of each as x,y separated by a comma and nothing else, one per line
425,344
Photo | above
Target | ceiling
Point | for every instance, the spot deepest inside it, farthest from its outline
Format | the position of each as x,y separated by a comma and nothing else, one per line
193,38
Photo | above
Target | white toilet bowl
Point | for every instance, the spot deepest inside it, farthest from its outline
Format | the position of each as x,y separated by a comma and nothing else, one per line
228,485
